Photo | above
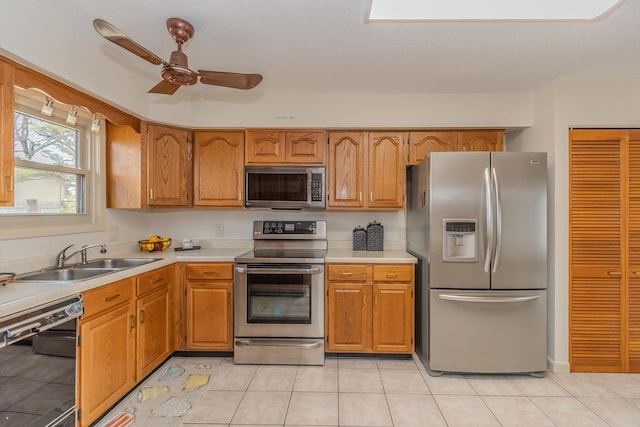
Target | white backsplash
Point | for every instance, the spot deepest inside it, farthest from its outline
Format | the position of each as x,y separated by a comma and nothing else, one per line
208,228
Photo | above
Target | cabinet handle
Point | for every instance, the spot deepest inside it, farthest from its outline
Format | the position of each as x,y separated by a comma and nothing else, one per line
371,196
636,273
375,299
210,273
141,316
392,275
347,273
614,273
360,197
151,194
133,321
112,297
154,281
364,299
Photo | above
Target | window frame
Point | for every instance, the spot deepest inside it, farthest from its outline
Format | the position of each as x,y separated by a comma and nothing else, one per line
92,158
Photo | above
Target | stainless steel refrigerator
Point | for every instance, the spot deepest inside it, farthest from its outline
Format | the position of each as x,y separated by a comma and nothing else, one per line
477,221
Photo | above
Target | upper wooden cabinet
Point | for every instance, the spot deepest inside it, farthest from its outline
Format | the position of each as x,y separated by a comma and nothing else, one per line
6,133
168,165
218,168
421,143
148,169
277,146
378,157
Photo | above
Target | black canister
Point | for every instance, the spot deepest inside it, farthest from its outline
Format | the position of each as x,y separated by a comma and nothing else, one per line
359,239
375,236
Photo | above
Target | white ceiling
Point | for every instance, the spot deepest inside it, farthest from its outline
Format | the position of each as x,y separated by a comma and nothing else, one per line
327,46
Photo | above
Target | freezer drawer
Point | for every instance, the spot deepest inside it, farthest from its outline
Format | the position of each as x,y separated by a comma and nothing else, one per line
487,331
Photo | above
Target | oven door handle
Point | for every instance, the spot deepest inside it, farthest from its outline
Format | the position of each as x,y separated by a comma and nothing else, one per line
274,342
313,270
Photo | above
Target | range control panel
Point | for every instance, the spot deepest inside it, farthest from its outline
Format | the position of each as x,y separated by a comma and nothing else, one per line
284,229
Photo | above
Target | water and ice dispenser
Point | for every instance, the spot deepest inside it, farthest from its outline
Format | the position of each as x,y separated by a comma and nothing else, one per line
460,240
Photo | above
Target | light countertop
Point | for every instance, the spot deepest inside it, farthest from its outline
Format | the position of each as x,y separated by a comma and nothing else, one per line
18,296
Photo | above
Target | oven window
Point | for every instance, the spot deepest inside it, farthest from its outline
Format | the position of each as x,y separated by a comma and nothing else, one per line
277,186
279,298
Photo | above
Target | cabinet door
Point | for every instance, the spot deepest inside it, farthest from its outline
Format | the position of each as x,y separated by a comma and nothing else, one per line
107,360
264,146
209,315
305,147
421,144
348,325
218,168
387,173
480,140
634,252
6,134
124,174
393,326
168,166
346,169
153,331
596,236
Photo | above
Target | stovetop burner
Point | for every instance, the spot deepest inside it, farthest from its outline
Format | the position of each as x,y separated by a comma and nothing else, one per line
279,241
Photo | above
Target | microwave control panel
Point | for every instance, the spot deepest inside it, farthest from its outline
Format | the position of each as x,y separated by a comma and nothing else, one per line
316,187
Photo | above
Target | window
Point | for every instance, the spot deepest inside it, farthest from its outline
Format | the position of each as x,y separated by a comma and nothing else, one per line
57,184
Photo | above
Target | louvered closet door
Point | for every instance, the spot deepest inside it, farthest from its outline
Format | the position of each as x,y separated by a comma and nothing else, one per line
596,227
634,252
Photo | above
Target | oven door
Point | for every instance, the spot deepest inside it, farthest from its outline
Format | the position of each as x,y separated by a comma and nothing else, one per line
279,300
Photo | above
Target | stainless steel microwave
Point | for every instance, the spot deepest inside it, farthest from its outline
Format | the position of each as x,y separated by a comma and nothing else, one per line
284,187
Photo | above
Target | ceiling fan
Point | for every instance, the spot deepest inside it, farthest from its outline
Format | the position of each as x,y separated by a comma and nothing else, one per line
176,72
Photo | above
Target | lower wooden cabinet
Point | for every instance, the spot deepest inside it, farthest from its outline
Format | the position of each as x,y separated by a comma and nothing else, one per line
153,320
369,308
107,352
209,301
124,334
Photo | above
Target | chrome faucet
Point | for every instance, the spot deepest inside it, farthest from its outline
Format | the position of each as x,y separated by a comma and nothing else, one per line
62,257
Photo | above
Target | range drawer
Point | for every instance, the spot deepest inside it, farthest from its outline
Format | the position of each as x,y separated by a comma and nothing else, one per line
107,296
210,271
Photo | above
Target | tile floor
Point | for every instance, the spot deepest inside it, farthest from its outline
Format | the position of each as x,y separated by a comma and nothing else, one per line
197,392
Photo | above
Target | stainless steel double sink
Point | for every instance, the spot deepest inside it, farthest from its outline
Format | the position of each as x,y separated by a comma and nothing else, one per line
78,272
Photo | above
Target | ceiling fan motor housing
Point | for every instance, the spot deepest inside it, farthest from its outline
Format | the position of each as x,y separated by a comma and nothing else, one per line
177,70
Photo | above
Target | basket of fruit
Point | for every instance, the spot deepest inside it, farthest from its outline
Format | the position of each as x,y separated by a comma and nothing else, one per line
154,243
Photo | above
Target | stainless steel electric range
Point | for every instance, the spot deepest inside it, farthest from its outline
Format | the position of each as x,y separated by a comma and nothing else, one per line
279,294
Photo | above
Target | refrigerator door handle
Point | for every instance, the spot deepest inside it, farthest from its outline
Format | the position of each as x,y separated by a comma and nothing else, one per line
496,259
489,221
470,298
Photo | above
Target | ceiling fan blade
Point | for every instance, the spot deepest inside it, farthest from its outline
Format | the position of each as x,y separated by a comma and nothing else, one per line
116,36
233,80
165,88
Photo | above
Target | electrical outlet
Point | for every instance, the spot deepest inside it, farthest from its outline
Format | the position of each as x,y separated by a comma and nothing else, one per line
112,233
218,230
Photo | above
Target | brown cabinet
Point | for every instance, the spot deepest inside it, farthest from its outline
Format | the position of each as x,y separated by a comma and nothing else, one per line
148,169
366,170
168,165
218,168
107,352
369,308
604,250
6,133
421,143
280,146
209,306
153,320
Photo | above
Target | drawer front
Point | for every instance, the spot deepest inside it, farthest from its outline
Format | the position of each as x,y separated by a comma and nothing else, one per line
107,296
347,272
154,279
392,273
217,271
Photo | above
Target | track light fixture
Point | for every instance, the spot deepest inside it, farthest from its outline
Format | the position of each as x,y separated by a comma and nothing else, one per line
95,124
47,107
72,116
